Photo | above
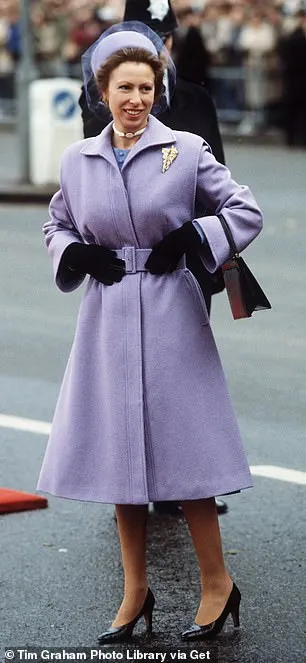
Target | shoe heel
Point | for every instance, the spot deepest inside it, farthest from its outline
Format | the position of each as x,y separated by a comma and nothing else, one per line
235,609
234,605
148,611
148,616
235,616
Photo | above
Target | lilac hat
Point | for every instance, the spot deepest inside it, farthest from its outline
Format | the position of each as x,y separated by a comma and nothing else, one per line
115,42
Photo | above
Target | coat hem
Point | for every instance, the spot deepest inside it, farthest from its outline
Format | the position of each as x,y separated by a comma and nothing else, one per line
152,498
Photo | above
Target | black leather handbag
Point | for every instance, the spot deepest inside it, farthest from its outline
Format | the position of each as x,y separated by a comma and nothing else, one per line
243,290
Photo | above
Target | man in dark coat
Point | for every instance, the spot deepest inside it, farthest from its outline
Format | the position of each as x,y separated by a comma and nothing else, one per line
292,51
191,109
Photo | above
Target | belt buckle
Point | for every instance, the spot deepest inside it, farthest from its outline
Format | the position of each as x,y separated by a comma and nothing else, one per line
129,256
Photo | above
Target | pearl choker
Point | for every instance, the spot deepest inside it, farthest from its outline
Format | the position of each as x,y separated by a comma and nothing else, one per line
128,134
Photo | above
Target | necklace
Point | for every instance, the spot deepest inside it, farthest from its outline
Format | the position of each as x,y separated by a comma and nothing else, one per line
129,134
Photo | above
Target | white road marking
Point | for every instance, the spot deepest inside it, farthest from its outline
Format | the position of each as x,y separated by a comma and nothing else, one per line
44,428
27,425
281,473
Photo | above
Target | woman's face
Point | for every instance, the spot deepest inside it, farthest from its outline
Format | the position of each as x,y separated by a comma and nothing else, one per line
130,95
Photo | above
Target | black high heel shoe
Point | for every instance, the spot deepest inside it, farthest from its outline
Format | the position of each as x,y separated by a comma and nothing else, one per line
124,633
209,631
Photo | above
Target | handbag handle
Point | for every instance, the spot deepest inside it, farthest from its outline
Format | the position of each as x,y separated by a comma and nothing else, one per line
228,235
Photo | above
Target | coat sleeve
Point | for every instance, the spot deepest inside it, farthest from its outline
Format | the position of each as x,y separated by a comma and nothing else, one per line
219,193
60,231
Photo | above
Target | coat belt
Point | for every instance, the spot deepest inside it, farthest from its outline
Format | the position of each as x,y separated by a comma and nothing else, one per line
135,259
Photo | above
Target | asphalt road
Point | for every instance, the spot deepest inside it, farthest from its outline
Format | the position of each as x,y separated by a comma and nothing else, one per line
60,576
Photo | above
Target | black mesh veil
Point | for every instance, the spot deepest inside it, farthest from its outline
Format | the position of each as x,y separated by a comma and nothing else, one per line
91,90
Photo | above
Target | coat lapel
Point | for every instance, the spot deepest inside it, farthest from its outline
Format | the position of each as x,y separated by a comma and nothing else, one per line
156,134
100,146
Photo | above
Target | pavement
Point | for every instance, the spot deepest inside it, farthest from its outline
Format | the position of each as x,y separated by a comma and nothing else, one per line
60,572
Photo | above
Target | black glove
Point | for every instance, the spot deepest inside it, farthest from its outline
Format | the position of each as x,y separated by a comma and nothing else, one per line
101,263
167,253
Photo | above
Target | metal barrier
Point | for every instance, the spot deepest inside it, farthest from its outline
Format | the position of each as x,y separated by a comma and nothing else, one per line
242,94
227,86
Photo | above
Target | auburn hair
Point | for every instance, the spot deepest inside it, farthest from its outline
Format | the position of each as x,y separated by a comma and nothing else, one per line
132,55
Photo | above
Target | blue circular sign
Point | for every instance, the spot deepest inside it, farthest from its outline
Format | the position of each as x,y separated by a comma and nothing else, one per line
64,105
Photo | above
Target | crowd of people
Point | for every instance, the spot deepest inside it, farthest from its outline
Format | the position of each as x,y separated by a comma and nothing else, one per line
246,53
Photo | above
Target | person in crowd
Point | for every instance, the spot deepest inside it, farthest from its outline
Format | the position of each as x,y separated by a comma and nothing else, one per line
292,51
257,41
144,413
50,29
14,41
84,28
191,109
9,55
192,57
228,89
211,26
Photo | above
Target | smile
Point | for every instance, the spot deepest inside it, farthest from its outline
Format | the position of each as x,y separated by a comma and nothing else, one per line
132,112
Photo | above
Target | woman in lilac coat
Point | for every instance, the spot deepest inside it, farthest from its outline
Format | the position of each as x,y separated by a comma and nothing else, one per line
144,412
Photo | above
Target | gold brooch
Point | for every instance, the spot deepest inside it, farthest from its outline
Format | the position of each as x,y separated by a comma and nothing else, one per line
169,154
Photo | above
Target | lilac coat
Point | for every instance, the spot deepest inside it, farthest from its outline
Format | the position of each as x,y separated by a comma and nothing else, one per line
144,412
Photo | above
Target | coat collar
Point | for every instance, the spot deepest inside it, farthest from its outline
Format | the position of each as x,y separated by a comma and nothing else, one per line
155,134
